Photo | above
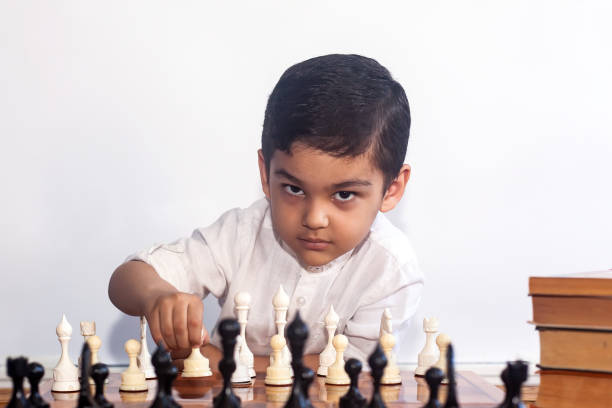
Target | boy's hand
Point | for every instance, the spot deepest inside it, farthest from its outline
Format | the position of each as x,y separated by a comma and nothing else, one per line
176,319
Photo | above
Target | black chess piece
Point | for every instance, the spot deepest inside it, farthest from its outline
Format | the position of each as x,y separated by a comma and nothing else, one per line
504,378
377,362
166,373
433,377
297,333
99,373
17,368
451,397
516,375
35,374
307,378
229,330
85,398
352,398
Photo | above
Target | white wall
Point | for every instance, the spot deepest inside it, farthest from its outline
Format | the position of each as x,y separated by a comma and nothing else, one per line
128,123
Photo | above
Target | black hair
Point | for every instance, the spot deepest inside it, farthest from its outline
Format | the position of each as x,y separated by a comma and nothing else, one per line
342,105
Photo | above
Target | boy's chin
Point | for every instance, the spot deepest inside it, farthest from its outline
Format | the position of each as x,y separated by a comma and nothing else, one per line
312,258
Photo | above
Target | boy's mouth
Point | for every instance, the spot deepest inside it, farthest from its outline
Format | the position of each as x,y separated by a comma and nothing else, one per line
314,243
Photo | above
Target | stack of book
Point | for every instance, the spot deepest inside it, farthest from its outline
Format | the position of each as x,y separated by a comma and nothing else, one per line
573,315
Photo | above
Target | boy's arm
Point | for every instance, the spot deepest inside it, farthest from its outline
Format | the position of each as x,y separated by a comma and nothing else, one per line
174,317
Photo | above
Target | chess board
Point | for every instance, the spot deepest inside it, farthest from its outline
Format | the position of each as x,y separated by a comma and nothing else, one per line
472,391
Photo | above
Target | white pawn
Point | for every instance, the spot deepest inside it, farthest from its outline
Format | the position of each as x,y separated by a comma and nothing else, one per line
196,365
391,373
144,357
278,373
280,301
241,373
428,356
65,373
94,345
242,301
328,355
88,329
442,341
132,379
336,374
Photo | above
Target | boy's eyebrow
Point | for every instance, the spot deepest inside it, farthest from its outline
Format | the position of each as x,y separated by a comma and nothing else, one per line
338,186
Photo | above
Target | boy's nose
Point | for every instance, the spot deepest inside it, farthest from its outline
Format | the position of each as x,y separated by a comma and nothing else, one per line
315,216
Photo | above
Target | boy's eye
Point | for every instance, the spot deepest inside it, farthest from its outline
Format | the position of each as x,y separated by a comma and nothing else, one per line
344,195
293,190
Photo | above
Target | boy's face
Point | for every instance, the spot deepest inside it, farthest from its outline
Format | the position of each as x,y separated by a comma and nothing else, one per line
323,206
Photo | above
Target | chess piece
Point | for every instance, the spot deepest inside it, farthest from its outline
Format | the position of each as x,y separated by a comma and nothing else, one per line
442,342
280,301
377,362
144,358
166,373
451,397
94,344
242,301
277,373
35,373
241,374
391,375
297,333
88,329
335,372
17,368
434,377
353,398
513,376
386,324
65,373
196,365
85,398
99,374
307,379
132,379
428,356
229,330
328,355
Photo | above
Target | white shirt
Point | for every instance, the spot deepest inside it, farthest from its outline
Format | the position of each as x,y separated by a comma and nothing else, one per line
240,252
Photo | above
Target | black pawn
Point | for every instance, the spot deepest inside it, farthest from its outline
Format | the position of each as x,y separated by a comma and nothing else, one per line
377,362
166,373
99,373
516,375
17,368
451,398
352,398
229,330
85,398
297,333
35,374
433,377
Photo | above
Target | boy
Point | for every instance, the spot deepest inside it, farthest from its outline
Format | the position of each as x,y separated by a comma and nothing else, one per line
333,144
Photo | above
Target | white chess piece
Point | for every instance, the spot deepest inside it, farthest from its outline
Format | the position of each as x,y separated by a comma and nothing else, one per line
65,373
442,341
429,355
278,373
336,374
144,357
241,373
88,329
132,379
328,355
391,373
196,365
242,301
94,345
386,324
280,301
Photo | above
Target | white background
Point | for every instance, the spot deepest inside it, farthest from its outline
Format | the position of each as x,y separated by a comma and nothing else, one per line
123,124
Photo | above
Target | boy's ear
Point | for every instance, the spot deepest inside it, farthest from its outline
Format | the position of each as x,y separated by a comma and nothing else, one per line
395,191
263,173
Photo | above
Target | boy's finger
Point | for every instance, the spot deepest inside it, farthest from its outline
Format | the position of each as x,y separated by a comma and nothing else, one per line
179,317
167,326
153,321
194,324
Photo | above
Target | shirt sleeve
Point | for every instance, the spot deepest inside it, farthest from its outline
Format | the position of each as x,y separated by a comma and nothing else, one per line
363,328
202,263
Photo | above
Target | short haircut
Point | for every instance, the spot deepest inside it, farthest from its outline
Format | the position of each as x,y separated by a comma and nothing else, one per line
343,105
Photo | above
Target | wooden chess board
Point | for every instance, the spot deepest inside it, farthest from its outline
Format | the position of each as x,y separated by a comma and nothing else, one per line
472,391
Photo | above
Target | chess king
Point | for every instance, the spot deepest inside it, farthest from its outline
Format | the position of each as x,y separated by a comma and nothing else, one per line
331,163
